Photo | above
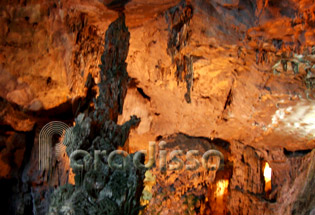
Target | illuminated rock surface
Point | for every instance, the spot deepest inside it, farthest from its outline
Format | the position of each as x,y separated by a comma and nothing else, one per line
241,72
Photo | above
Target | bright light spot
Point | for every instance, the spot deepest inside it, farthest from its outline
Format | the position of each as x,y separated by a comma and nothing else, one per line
222,185
267,172
267,175
298,120
296,124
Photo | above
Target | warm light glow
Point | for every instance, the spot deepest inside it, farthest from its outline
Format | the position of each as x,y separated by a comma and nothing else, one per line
297,119
267,172
267,175
222,185
71,177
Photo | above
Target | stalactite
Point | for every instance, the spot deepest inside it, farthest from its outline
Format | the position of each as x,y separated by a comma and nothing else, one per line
103,190
178,19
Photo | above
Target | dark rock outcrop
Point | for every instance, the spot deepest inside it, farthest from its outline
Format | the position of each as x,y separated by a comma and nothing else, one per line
98,188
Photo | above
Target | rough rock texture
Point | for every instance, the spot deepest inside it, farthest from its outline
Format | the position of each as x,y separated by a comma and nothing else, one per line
235,62
198,192
101,189
183,191
241,71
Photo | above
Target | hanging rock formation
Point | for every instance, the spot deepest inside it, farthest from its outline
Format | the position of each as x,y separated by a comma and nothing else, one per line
238,71
99,189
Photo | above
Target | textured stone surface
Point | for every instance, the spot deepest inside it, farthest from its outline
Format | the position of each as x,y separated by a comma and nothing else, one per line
185,191
100,189
237,70
177,192
233,61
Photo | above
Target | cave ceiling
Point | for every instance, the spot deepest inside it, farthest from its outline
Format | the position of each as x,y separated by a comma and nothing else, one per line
237,70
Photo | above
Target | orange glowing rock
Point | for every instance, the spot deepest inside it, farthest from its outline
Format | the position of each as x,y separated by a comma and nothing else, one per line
222,185
71,177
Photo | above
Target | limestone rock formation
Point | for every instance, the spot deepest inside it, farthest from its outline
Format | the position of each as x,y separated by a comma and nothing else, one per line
101,189
238,71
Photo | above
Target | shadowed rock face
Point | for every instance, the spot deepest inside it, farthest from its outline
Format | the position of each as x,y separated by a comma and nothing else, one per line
116,5
102,190
114,76
200,70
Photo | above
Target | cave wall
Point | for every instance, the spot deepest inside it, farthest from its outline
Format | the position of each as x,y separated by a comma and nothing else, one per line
240,71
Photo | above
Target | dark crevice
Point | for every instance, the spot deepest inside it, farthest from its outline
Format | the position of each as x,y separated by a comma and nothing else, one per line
242,159
48,81
116,5
140,90
228,100
133,83
297,153
62,111
216,141
4,128
158,138
6,195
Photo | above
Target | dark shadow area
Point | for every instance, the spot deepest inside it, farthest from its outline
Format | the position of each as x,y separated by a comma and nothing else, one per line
297,153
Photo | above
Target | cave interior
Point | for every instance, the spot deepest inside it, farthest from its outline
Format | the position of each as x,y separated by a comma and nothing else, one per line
157,107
